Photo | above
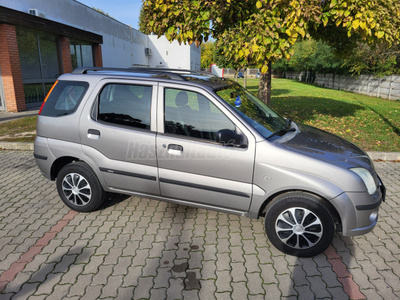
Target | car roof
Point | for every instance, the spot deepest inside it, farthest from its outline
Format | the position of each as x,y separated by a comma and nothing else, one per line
199,78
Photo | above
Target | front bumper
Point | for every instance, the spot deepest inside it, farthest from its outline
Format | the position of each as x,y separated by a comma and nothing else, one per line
359,211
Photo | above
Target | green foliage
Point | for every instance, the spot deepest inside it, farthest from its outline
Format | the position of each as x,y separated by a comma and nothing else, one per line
374,21
222,62
250,31
262,31
319,57
102,12
207,54
378,60
257,32
142,22
315,56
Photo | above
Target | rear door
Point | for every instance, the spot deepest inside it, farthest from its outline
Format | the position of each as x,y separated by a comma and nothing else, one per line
119,131
192,165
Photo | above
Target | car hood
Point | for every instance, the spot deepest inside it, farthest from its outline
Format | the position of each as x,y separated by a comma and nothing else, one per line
328,147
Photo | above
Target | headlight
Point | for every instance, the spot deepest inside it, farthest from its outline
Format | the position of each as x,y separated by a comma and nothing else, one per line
367,178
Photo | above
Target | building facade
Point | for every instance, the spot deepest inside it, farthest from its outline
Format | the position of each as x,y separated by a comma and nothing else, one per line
41,39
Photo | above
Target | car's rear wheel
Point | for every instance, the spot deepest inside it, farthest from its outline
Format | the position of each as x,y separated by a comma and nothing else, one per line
299,224
79,187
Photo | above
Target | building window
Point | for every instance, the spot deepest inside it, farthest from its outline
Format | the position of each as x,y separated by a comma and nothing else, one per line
39,59
81,54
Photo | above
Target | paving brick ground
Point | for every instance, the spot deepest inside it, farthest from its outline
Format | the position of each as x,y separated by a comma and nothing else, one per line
142,249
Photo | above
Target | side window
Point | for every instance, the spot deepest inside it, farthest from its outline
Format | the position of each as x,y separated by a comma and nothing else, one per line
191,114
64,98
125,104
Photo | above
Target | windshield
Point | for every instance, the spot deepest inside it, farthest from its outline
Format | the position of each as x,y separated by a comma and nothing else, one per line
254,111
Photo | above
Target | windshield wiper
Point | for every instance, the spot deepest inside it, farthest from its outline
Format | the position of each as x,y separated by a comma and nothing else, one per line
283,130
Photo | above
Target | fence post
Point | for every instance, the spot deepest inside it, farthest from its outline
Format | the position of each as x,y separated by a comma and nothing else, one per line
379,88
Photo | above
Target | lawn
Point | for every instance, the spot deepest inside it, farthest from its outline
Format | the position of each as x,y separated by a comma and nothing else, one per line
369,122
19,130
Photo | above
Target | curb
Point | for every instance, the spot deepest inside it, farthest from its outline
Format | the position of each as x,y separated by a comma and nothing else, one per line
16,146
374,155
391,156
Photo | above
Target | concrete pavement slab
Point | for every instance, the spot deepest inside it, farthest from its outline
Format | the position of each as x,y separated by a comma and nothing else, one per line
136,248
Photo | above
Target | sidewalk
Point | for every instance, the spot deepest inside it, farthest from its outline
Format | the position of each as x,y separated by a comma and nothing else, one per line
8,116
137,248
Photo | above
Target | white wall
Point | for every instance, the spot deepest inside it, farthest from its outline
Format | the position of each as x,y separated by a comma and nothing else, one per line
214,69
122,46
172,55
117,45
195,54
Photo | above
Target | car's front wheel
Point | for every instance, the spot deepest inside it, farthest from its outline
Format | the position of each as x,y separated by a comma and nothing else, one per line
79,187
299,224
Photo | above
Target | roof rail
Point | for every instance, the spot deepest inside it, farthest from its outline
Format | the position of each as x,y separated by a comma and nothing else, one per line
178,71
171,73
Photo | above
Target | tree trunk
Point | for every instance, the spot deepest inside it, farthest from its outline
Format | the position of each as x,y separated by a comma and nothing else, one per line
264,87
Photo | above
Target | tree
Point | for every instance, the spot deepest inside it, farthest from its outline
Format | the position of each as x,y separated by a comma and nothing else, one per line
261,31
376,60
142,23
221,61
207,54
316,56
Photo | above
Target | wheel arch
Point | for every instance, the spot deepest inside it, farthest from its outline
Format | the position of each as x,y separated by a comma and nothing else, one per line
59,163
328,205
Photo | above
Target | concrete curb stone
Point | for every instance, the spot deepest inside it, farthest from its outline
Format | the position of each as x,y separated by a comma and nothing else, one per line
390,156
16,146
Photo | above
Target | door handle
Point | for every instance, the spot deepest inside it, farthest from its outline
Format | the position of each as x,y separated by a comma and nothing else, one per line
93,134
174,149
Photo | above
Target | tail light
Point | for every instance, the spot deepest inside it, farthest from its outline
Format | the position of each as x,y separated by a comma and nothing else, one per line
48,94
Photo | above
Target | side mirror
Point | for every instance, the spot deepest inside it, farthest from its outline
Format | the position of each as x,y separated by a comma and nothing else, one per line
228,137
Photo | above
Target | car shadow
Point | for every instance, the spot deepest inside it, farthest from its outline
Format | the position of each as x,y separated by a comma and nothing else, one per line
113,199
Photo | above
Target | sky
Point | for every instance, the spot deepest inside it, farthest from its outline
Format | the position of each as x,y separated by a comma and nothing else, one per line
125,11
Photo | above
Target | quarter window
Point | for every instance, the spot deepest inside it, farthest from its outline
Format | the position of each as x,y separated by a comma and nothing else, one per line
193,115
65,98
125,104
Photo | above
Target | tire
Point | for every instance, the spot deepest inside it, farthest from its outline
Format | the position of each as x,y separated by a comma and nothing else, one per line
299,224
79,187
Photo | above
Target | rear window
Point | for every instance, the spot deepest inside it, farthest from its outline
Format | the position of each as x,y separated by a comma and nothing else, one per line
65,98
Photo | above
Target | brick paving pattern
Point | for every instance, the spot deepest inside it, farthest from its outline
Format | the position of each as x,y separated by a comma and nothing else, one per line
137,248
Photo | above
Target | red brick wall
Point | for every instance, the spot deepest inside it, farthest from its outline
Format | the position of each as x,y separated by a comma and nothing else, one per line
98,57
66,55
11,69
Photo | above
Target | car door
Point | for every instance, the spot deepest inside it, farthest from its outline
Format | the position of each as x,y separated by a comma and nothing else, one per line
192,165
118,132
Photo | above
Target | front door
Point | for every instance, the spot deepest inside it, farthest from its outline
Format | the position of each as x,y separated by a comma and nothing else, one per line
192,165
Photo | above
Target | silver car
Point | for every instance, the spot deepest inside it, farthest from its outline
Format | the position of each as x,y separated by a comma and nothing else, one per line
194,139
